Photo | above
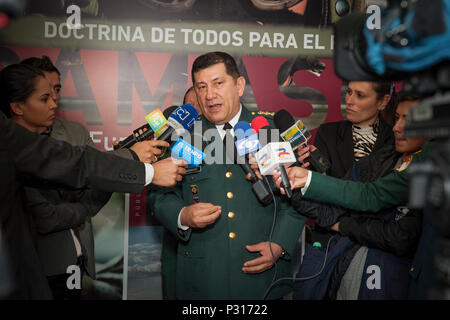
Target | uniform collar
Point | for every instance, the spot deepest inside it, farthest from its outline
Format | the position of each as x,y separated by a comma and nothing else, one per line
233,122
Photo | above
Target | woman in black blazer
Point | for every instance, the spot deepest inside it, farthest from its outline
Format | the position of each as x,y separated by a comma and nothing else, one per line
364,137
364,131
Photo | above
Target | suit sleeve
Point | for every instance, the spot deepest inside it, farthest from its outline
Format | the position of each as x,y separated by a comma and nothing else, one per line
40,160
50,217
397,236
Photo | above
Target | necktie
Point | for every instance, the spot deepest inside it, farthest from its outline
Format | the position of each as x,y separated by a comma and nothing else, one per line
228,139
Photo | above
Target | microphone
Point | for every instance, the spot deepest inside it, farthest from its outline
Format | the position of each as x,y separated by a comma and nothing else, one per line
181,119
247,139
259,187
156,125
187,152
259,122
298,135
275,156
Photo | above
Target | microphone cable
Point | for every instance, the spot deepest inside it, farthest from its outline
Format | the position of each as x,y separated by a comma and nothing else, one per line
300,279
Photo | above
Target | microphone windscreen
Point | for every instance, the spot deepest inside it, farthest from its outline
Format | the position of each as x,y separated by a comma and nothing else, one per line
258,123
168,111
283,120
242,130
185,116
265,135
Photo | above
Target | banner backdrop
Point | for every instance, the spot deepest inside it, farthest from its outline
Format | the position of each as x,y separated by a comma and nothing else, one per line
119,60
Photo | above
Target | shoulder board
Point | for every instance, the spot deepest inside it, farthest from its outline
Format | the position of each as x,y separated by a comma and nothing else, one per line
263,113
404,165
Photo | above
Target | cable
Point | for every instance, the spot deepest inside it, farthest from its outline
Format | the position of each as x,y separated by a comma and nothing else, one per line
270,238
305,278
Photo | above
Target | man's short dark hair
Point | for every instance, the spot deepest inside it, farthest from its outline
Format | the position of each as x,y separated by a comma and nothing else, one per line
185,95
211,58
43,64
408,96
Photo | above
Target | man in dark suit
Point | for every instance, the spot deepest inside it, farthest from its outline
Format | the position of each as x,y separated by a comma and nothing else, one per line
62,218
27,158
222,230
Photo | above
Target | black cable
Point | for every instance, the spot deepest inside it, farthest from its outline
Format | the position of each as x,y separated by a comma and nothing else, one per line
304,278
270,238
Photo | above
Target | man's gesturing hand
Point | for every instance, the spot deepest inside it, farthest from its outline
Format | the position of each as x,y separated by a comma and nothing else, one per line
266,261
168,171
200,215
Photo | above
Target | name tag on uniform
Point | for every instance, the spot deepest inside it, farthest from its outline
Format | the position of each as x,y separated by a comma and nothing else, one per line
194,170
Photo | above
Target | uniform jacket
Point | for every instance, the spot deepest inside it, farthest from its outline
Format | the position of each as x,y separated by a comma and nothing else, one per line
209,260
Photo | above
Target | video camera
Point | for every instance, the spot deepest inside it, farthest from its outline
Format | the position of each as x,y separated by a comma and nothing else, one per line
411,43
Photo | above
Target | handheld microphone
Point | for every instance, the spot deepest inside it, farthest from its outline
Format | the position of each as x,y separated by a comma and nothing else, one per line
293,132
247,139
297,135
156,125
190,154
259,122
181,119
259,187
275,156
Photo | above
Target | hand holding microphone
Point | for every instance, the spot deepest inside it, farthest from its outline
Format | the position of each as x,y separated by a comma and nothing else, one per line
298,135
168,172
156,124
149,150
296,175
304,154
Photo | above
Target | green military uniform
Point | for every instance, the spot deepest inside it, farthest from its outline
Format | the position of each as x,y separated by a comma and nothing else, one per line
209,260
388,191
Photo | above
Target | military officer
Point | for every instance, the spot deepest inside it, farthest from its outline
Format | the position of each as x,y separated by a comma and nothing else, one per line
226,246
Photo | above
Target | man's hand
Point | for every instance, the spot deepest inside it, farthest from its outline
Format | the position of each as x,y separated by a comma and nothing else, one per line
303,153
297,177
266,261
168,171
200,215
148,150
254,166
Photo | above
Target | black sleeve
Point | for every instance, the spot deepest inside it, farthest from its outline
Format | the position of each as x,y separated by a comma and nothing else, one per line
40,160
397,236
52,217
322,214
320,143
